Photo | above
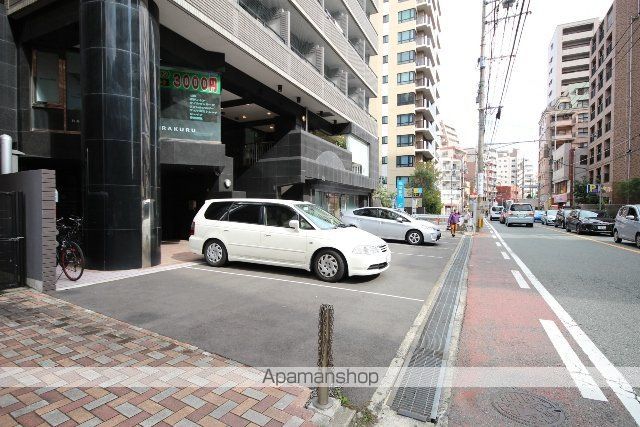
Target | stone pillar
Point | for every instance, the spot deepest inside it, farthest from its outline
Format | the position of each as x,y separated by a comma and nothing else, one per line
8,77
119,48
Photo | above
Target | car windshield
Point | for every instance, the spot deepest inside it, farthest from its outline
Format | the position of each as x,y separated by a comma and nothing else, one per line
552,212
515,207
591,214
497,208
319,217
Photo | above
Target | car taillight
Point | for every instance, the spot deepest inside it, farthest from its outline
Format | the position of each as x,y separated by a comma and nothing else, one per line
531,214
192,230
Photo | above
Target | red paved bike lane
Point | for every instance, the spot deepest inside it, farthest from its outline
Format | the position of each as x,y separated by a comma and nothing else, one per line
502,328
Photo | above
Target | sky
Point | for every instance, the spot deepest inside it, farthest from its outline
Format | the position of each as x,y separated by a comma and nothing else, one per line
526,96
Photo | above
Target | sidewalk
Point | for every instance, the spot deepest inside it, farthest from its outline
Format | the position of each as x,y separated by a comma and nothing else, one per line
508,324
37,330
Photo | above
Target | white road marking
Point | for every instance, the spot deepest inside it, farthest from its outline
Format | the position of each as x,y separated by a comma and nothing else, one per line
581,377
504,255
611,374
493,236
498,244
521,282
276,279
426,256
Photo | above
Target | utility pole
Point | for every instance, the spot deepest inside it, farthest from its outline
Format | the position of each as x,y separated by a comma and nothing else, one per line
481,122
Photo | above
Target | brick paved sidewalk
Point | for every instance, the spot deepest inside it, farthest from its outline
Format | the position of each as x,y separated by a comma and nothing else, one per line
37,330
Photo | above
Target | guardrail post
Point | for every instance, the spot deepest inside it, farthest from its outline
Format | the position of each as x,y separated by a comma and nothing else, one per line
325,354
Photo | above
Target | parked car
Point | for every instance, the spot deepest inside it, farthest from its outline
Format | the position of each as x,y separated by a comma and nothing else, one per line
425,219
494,212
585,221
549,216
537,216
627,224
285,233
519,213
561,216
393,225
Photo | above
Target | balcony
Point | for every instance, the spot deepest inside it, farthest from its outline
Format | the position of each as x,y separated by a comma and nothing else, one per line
426,128
563,137
564,123
426,45
425,87
426,148
426,108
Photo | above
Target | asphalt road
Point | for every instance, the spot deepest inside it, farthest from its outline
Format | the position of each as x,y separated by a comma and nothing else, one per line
264,316
596,281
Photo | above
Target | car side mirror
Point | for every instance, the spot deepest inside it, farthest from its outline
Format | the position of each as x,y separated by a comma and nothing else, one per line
631,217
399,219
295,224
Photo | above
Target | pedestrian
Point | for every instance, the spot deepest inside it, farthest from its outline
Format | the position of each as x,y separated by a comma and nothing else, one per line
454,218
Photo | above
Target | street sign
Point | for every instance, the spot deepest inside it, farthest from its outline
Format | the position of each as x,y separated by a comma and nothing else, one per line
400,195
481,184
593,188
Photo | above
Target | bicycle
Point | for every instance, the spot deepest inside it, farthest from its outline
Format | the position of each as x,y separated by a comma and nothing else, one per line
69,255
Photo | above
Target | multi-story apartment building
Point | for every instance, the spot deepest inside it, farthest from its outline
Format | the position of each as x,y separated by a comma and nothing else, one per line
490,173
507,166
569,56
452,167
146,108
562,153
408,81
614,145
528,178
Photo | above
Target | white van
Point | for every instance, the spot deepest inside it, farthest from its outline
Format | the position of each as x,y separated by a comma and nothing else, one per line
285,233
494,212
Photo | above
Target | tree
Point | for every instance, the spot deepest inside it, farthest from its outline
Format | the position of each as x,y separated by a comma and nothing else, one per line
426,177
385,195
628,191
580,195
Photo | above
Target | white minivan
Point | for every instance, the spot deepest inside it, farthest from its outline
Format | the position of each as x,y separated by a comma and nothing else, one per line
285,233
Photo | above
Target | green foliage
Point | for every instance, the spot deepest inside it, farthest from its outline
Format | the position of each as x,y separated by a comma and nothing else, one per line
628,190
580,194
339,140
385,195
426,176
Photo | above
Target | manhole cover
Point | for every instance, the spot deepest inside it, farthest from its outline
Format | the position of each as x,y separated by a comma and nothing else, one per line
529,409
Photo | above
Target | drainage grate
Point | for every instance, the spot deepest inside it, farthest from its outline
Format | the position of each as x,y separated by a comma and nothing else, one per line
530,409
421,403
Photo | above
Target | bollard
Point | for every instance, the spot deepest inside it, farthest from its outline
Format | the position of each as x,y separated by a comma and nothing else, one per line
325,355
6,146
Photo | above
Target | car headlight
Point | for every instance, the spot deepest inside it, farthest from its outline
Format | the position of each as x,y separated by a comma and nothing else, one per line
366,250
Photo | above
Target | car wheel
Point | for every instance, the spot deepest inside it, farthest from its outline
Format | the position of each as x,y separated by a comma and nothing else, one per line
414,237
329,266
616,237
529,225
215,253
568,229
638,240
579,229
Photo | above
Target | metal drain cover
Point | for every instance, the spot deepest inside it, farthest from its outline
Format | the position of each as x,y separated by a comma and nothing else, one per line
530,409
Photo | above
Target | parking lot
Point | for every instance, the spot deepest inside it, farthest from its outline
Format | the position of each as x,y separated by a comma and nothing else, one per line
266,316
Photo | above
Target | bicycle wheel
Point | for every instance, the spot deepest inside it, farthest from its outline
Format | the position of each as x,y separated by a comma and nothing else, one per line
72,261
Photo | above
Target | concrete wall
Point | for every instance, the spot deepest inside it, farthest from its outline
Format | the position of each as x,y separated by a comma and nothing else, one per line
38,188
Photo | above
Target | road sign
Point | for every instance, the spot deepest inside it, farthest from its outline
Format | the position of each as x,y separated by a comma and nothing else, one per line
593,188
481,184
400,195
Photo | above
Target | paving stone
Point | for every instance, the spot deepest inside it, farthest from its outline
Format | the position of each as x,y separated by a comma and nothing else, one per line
254,394
128,410
55,417
63,349
156,355
29,408
101,401
164,394
91,423
222,410
284,401
193,401
155,419
256,417
74,394
103,359
293,422
7,400
186,423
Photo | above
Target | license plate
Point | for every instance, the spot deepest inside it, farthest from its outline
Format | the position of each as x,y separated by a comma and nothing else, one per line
602,227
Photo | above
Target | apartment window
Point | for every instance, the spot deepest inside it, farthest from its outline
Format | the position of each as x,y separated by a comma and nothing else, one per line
385,140
405,119
385,18
404,161
385,160
385,39
405,140
406,98
583,132
605,173
385,59
403,179
582,90
406,15
582,104
583,159
385,120
383,180
607,148
591,177
56,93
406,36
583,117
591,158
607,122
385,99
385,79
598,152
406,77
406,57
598,175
